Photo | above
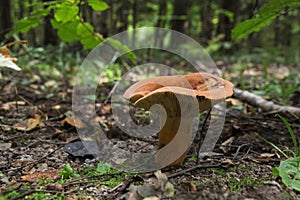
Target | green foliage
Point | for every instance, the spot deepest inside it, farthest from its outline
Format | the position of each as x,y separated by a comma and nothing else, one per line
67,20
98,5
280,89
266,14
288,169
27,23
236,185
66,12
103,168
10,195
68,172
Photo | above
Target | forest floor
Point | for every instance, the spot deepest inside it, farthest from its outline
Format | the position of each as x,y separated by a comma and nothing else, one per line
35,125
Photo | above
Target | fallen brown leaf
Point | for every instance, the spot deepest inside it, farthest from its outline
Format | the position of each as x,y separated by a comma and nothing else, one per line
73,122
52,174
30,123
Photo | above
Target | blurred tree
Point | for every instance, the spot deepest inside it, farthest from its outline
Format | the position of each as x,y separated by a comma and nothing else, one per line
179,22
206,14
51,36
227,18
6,22
161,22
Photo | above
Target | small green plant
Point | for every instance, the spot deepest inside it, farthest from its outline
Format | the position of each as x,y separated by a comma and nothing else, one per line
10,195
103,168
68,172
288,169
236,184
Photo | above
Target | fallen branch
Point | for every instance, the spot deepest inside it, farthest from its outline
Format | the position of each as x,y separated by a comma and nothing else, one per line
265,105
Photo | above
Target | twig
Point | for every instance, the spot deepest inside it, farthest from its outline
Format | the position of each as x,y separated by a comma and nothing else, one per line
34,162
267,106
239,149
192,169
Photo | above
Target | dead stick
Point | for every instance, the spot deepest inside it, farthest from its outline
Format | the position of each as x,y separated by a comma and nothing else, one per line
268,106
192,169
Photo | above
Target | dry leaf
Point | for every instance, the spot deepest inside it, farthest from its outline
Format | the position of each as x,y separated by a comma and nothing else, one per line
266,155
151,198
30,123
55,187
73,122
225,146
52,174
227,163
233,102
159,186
193,187
106,109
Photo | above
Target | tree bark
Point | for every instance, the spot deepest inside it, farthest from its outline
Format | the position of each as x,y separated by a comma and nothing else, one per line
5,18
225,24
206,14
122,15
180,11
179,23
51,37
161,21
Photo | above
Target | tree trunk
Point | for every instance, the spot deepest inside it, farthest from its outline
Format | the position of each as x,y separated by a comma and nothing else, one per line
161,21
206,14
51,37
112,21
99,21
5,18
179,23
122,15
31,34
225,23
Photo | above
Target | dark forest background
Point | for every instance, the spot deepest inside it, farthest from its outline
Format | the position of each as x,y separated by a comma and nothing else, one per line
208,22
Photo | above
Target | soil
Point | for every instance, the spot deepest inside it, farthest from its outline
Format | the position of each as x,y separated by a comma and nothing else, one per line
240,169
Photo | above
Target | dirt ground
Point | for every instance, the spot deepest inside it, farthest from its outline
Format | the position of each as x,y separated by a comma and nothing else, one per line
241,168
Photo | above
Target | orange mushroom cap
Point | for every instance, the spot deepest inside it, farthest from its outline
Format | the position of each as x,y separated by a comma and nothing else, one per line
206,88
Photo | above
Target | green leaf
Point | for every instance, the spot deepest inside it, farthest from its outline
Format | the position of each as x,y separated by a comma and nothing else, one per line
90,42
66,12
289,172
266,14
98,5
40,12
67,172
84,29
88,38
103,168
27,23
287,125
24,25
123,49
252,25
67,31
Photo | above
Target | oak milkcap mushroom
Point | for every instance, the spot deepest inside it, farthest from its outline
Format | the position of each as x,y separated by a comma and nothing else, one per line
183,97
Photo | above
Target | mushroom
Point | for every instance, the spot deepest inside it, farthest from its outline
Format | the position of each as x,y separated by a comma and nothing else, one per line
183,97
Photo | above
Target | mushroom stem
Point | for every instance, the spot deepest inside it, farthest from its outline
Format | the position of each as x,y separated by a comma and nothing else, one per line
171,127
